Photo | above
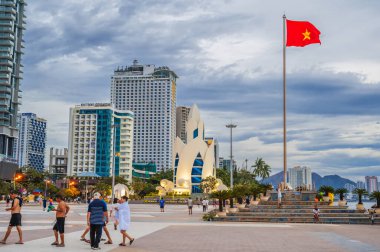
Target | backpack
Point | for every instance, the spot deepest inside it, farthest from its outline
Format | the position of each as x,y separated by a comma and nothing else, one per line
19,201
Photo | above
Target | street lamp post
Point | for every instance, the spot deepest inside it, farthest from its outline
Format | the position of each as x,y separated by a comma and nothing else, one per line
15,178
231,126
86,191
46,183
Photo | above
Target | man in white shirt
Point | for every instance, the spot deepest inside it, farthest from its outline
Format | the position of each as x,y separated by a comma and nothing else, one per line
204,205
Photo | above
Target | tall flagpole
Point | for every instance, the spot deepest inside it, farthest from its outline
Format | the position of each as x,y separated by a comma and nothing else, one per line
284,93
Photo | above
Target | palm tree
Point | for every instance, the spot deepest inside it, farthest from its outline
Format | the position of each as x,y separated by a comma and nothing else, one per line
261,169
220,195
326,190
341,192
265,188
255,190
239,191
375,196
360,192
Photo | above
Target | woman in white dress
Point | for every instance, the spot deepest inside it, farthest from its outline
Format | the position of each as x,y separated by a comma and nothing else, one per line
114,213
124,215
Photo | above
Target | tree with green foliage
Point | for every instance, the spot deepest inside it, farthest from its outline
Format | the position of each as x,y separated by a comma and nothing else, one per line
341,192
261,169
224,175
103,188
163,174
326,190
255,190
208,184
265,188
221,196
244,177
138,187
375,196
4,187
32,179
71,192
360,192
239,191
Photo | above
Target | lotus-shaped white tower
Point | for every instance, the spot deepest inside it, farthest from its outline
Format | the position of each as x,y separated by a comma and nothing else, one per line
195,160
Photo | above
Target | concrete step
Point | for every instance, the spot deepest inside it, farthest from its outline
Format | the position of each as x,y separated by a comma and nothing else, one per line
296,207
295,202
297,210
306,215
334,220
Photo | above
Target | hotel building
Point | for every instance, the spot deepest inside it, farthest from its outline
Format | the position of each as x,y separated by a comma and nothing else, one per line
94,128
150,92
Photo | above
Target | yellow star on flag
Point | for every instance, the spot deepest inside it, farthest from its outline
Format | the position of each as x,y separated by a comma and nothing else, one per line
306,35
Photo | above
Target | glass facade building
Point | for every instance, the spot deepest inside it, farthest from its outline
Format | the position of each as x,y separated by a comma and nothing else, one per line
31,142
94,128
12,25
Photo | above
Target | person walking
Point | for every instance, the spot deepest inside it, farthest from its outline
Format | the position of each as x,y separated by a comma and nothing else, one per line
114,213
124,220
59,227
162,205
97,211
204,205
279,197
105,229
316,213
190,205
44,203
15,218
8,200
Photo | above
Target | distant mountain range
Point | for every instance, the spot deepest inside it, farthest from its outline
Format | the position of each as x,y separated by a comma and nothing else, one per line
329,180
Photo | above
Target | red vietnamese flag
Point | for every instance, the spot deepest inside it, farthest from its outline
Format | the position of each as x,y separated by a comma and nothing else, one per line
301,33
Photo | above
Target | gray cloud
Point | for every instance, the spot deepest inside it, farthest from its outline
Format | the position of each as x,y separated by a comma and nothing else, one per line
228,57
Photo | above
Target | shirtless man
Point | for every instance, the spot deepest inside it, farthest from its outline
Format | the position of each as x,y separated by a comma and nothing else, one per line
15,218
59,227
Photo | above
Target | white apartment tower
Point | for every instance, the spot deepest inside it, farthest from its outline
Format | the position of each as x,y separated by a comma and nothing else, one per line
300,176
99,134
150,92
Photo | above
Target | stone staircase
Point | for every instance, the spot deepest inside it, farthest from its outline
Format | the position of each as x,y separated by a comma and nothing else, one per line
294,210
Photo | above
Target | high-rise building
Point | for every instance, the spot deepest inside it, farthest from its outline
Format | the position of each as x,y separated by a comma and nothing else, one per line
360,185
12,26
371,182
225,163
58,162
182,114
299,176
150,92
93,128
31,142
349,187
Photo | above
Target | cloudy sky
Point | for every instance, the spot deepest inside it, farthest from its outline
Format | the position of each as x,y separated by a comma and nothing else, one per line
228,55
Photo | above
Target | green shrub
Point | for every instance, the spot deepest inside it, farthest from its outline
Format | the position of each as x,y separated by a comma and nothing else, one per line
209,216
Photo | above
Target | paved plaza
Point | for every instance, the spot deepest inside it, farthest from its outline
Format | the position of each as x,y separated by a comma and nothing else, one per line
175,230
